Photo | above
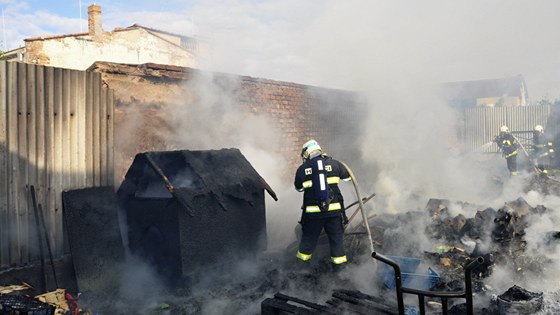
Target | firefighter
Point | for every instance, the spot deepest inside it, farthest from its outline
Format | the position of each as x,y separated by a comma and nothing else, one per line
323,204
508,144
543,150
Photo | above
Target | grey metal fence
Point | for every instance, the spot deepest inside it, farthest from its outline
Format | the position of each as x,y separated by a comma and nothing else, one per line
481,125
56,133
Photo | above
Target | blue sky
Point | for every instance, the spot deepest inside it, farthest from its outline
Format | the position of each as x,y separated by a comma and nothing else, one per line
70,16
381,45
71,8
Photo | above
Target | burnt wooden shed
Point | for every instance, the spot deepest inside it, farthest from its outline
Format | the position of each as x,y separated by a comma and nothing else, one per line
192,210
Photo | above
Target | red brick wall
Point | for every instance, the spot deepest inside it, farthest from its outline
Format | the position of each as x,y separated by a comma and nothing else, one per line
300,112
303,112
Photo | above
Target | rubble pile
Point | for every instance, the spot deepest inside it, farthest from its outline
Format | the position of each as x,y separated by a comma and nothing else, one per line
517,300
443,242
496,235
21,304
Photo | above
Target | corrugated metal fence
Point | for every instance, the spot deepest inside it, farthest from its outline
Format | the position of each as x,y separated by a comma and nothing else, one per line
56,133
481,125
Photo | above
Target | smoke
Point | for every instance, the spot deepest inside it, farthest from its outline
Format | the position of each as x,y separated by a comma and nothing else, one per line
357,45
413,154
215,118
384,45
540,243
141,288
396,53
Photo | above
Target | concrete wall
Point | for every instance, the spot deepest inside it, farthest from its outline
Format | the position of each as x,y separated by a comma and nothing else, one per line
128,46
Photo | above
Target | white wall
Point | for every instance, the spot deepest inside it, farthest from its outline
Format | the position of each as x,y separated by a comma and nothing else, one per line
135,46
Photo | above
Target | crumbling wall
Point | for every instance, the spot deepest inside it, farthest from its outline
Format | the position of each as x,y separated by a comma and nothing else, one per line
35,54
79,51
144,94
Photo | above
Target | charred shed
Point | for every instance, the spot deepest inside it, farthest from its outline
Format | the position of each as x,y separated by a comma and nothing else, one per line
188,211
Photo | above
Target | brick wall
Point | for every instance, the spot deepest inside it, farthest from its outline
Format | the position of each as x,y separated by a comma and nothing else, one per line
302,112
35,53
299,112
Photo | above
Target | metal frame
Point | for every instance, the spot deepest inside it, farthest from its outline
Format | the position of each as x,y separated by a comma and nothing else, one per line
444,295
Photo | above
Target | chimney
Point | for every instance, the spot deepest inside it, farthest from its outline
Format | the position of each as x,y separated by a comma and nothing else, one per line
94,20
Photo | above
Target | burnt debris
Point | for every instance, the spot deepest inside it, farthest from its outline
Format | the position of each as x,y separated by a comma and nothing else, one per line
193,210
517,300
193,214
492,238
94,236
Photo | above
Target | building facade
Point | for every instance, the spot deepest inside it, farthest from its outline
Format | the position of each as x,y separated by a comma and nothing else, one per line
135,44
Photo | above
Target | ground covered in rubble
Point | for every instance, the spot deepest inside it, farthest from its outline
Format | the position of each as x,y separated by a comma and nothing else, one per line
445,242
517,240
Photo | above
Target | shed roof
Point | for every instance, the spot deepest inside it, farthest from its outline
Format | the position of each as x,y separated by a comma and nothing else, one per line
187,174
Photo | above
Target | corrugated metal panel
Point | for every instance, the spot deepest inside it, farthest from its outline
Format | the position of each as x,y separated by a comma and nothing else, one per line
4,171
46,140
110,139
481,125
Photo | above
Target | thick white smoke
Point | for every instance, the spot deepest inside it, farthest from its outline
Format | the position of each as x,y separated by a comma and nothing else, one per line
391,46
214,118
396,53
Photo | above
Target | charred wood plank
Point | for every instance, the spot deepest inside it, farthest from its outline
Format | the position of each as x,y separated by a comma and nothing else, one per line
168,184
273,306
302,302
284,304
360,295
360,303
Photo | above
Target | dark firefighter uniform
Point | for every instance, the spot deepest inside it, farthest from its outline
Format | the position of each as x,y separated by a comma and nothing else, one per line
507,143
543,151
313,177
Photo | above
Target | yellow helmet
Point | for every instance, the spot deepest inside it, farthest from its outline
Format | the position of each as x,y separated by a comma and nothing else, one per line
310,147
504,128
539,128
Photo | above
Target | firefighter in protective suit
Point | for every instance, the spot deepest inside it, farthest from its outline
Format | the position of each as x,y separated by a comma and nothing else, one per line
543,150
508,144
323,204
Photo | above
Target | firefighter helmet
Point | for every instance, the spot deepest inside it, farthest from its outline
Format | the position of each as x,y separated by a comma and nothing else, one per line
539,129
309,148
504,128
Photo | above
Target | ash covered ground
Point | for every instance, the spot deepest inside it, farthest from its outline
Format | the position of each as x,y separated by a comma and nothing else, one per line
518,241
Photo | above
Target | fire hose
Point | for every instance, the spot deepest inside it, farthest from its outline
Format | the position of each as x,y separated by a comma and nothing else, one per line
533,163
364,200
362,209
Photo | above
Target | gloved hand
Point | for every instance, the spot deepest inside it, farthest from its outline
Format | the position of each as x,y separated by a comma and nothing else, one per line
302,219
345,220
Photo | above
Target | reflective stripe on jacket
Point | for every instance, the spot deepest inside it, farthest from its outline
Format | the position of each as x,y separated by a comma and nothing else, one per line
334,171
